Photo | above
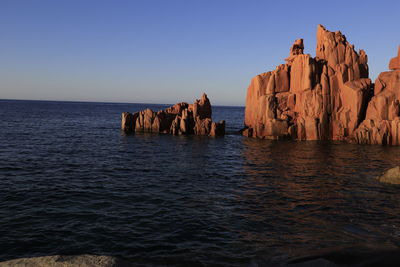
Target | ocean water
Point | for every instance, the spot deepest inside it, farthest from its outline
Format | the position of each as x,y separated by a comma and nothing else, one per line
71,183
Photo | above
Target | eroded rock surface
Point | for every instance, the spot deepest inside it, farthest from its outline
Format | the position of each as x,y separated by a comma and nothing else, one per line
68,261
311,98
394,63
382,122
181,118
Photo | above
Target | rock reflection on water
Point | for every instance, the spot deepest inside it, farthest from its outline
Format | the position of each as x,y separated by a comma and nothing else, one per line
310,195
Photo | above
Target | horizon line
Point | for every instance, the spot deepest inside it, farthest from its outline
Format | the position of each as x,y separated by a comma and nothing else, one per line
106,102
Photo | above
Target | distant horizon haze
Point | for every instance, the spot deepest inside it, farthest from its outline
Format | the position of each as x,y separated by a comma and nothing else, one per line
171,51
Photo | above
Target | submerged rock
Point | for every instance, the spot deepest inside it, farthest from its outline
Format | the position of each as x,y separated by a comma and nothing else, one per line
181,118
68,261
391,176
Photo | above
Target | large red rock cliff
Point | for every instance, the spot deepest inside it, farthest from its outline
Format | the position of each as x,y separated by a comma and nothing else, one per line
320,98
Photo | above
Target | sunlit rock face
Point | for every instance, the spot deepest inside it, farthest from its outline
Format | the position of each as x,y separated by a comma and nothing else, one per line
311,98
382,122
181,118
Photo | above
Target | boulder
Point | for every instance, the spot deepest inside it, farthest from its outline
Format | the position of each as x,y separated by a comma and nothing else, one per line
390,176
181,118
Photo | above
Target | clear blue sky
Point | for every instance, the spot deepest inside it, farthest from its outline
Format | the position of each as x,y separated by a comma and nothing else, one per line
170,51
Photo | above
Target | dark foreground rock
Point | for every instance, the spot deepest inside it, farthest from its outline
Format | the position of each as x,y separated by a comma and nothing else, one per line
68,261
181,118
391,176
360,256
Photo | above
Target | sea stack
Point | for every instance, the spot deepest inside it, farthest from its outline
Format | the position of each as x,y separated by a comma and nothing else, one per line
382,122
181,118
311,98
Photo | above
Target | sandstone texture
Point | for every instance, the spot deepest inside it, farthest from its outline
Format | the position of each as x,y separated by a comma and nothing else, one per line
68,261
311,98
390,176
181,118
382,121
394,63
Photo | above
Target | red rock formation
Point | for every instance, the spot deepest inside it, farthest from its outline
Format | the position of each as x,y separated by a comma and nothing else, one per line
181,118
395,62
382,122
202,108
311,98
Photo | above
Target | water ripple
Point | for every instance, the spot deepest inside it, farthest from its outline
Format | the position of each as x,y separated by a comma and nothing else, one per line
72,183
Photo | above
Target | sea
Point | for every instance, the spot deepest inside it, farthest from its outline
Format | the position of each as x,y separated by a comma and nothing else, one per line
71,182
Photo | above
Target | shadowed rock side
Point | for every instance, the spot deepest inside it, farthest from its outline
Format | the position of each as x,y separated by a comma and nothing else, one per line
181,118
308,98
362,255
382,122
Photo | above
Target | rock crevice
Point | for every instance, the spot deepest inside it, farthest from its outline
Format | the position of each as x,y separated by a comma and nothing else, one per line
382,122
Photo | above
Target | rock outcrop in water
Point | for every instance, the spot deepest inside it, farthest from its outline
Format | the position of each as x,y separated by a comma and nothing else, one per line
181,118
390,176
320,98
382,122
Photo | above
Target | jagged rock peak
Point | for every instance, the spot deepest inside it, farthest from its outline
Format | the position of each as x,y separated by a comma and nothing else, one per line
334,48
296,49
202,107
394,63
336,37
